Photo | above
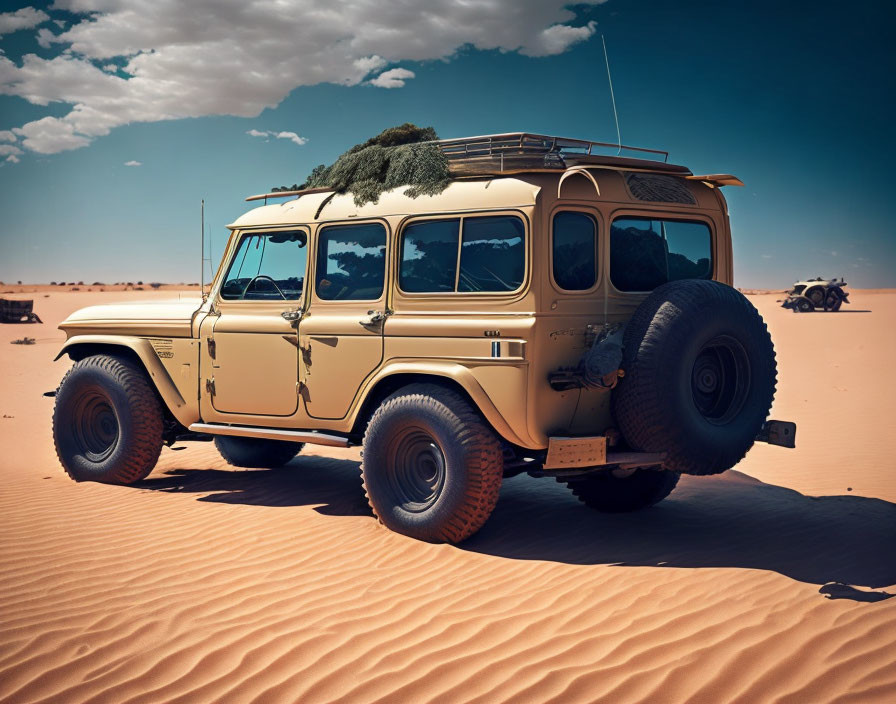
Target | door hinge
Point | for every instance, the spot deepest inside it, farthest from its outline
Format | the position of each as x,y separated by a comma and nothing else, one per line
210,387
212,348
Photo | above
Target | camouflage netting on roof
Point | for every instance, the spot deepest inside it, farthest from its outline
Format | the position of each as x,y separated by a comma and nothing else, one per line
399,156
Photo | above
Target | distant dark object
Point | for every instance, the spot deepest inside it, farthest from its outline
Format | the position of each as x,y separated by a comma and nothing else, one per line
816,294
98,283
23,341
155,284
139,283
52,283
18,312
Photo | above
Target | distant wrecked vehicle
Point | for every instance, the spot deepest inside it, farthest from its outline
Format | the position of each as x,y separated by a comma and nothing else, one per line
816,294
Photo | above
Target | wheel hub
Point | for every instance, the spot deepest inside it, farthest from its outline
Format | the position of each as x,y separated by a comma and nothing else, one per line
720,379
417,470
95,428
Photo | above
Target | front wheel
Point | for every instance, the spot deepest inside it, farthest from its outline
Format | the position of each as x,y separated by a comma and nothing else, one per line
432,469
107,424
623,490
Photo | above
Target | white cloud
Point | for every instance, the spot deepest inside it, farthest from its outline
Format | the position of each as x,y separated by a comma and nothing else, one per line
9,149
45,38
12,159
26,18
132,162
291,136
50,135
558,38
7,136
238,57
393,78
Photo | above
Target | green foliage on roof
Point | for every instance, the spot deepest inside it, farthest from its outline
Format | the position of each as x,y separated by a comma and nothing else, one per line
399,156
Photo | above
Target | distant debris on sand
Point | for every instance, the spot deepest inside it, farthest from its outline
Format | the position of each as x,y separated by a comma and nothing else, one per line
12,311
23,341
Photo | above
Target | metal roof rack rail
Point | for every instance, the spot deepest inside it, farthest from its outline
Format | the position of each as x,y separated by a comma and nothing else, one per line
517,152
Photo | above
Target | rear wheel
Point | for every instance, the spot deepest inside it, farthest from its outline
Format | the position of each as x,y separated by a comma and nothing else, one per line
107,423
256,452
432,468
623,490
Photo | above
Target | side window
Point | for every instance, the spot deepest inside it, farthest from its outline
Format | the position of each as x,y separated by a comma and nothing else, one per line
575,251
429,256
267,266
351,262
646,253
492,257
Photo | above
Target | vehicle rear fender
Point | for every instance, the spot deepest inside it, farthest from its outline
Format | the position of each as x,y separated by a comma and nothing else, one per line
82,346
396,375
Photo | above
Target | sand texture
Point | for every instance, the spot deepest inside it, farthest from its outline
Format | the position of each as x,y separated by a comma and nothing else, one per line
770,583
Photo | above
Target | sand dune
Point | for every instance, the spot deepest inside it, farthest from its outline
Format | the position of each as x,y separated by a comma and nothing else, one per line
205,583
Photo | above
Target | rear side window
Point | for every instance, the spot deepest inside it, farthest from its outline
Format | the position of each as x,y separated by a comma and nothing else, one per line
465,255
429,256
351,262
575,251
645,253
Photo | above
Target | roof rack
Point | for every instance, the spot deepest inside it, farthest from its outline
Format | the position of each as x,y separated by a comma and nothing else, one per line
288,194
525,151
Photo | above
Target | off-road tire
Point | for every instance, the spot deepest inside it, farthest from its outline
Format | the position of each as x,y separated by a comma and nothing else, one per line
400,469
832,302
699,377
606,492
108,422
256,452
803,305
816,296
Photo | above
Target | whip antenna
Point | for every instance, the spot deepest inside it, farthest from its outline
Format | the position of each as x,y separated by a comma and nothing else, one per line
202,248
612,97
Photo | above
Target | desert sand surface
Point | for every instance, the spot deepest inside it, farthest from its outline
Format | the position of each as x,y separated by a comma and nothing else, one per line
770,583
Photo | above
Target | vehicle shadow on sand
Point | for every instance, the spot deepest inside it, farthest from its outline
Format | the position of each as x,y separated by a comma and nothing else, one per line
731,520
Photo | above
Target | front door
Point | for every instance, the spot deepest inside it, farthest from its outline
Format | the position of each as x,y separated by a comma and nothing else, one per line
251,346
341,336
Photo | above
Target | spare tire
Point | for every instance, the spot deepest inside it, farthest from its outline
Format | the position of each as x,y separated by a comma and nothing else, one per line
699,377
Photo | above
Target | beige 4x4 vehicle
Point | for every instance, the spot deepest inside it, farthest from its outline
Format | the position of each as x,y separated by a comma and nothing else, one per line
552,311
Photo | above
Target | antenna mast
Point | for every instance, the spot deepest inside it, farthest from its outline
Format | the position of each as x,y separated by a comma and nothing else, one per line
612,97
202,249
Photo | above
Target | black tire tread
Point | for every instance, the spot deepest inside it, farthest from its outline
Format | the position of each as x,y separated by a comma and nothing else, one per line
146,444
485,471
608,494
259,453
640,410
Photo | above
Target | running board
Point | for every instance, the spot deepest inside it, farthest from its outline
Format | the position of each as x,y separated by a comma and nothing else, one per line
244,431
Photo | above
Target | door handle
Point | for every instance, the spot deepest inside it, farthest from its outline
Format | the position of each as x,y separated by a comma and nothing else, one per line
291,315
375,317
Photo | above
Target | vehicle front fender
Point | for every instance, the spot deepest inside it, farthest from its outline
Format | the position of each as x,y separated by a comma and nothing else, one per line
81,346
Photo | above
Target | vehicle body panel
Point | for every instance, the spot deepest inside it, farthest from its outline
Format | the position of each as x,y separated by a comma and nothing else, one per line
500,348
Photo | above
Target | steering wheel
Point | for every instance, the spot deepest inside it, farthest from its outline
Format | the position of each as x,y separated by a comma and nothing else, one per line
262,276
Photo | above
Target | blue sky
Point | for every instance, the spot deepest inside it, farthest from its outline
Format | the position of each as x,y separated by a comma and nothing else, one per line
796,101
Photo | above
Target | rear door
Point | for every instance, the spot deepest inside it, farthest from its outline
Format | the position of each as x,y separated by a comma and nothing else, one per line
341,335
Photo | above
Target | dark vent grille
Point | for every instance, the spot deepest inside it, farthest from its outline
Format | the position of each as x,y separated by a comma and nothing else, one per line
657,188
